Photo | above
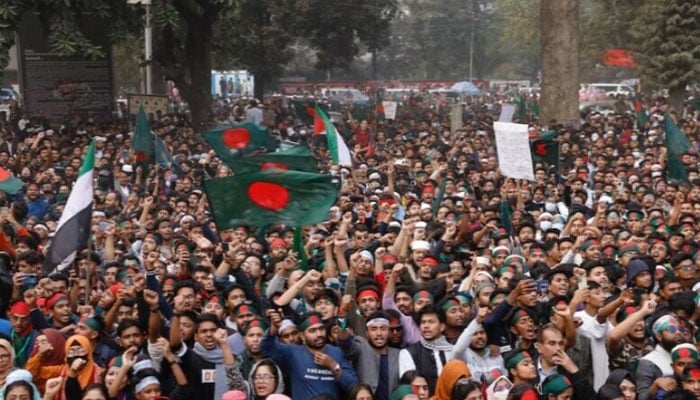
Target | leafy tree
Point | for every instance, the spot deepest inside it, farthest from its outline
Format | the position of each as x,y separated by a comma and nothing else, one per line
336,29
668,46
263,37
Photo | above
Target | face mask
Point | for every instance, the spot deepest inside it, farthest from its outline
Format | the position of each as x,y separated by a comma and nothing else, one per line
550,207
634,138
545,225
502,395
70,360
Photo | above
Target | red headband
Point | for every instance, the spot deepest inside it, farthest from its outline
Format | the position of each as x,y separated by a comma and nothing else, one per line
367,293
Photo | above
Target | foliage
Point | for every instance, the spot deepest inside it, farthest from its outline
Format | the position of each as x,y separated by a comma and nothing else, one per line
668,43
336,29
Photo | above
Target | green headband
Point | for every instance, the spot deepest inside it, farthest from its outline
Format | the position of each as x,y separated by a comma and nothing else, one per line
557,385
423,294
519,356
449,304
312,319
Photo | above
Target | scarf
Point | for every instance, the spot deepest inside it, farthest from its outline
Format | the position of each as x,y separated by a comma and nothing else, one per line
20,344
439,344
216,357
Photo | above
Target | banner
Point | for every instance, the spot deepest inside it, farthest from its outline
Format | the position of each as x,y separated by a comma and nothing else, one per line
513,149
390,109
507,112
456,118
150,102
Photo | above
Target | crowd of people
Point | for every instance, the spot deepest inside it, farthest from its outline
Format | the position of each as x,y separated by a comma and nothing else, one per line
434,277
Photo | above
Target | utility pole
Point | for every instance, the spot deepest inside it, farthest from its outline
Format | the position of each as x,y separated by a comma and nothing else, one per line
148,45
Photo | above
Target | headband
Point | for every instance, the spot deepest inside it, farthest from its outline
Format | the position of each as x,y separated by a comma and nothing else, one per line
312,319
449,303
377,322
55,299
663,323
423,294
555,386
684,350
691,373
367,293
515,359
147,381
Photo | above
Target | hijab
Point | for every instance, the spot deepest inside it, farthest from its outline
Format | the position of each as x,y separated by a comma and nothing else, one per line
5,344
86,375
452,372
58,342
20,375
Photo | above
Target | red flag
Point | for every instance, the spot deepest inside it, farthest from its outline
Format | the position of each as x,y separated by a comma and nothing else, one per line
619,57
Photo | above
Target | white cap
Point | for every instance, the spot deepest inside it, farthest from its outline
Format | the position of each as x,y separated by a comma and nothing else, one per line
544,215
367,255
375,176
420,245
127,168
421,225
425,206
483,260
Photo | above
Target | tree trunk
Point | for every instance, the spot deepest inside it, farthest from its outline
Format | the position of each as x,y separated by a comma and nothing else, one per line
259,86
196,83
560,74
676,96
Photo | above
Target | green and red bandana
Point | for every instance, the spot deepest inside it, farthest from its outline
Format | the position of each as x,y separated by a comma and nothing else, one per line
517,316
516,358
423,294
555,386
449,303
256,323
684,350
310,320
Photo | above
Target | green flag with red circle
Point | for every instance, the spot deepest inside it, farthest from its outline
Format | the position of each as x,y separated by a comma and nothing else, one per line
270,197
8,183
230,142
297,158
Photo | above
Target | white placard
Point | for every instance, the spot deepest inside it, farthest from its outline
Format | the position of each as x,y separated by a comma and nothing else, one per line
456,117
507,112
390,109
513,147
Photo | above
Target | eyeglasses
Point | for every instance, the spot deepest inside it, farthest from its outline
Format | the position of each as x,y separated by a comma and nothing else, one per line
263,378
687,267
4,357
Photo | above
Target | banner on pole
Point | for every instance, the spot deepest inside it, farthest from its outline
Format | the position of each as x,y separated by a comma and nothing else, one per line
513,149
390,109
455,118
507,112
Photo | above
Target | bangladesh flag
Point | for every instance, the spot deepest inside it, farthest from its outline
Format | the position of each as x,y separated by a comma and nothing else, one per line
340,153
297,158
270,197
142,142
164,158
8,183
676,144
642,117
306,110
545,151
380,106
230,142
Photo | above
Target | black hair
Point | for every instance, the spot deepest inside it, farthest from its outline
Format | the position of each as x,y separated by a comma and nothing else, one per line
17,384
463,387
355,389
207,317
684,300
187,284
409,376
96,386
128,323
517,391
679,258
609,392
679,394
431,309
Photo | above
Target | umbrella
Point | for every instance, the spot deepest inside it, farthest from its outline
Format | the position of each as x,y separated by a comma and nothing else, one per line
465,87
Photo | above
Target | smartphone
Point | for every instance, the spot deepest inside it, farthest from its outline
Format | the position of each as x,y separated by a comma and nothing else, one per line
582,282
29,280
129,281
103,226
543,286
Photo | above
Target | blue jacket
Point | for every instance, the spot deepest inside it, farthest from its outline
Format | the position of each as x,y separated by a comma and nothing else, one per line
309,379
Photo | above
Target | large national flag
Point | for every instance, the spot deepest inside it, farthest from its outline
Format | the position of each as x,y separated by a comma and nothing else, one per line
231,142
8,183
270,197
297,158
142,142
380,106
73,230
340,153
306,110
676,145
545,151
164,158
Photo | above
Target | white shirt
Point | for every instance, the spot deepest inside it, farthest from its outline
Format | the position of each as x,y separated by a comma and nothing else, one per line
597,332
